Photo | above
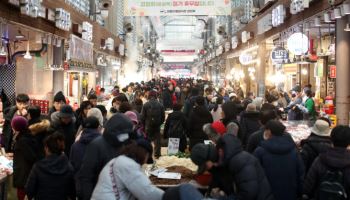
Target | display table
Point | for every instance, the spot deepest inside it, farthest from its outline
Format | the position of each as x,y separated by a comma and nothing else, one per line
299,130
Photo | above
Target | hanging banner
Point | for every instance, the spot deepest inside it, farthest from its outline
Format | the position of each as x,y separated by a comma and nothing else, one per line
81,50
176,7
332,71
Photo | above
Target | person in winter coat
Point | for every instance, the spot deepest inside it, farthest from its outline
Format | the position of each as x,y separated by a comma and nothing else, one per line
308,108
64,123
335,159
176,126
25,154
229,118
199,116
318,142
267,113
190,102
58,101
183,192
100,151
294,113
153,116
167,97
249,123
81,113
123,178
39,128
235,172
90,132
215,131
20,109
282,164
93,112
52,177
217,110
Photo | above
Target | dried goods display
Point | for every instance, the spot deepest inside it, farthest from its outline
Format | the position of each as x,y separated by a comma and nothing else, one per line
168,161
186,176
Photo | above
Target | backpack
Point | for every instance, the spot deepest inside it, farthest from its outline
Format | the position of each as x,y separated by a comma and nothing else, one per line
176,130
154,115
332,186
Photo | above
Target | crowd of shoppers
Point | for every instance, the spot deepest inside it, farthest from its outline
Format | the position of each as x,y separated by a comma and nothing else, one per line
95,153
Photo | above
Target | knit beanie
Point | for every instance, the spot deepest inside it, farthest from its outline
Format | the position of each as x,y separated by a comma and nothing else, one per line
19,123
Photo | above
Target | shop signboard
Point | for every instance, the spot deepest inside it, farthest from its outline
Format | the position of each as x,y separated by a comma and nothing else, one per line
245,58
176,7
298,43
332,71
234,42
279,54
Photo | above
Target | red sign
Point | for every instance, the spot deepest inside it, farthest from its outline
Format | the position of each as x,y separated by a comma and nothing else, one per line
332,71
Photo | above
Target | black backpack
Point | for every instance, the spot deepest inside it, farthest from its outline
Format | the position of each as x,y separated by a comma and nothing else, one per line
154,115
332,186
176,130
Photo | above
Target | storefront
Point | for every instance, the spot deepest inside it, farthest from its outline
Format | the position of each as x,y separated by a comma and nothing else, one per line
80,70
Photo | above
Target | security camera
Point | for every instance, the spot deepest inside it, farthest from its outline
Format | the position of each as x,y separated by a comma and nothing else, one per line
221,30
128,28
141,40
211,40
105,4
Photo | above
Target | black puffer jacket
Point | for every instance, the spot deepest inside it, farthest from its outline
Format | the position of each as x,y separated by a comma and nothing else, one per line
333,159
249,124
25,154
173,119
312,147
199,116
68,130
100,151
283,166
51,178
9,113
40,129
249,177
146,114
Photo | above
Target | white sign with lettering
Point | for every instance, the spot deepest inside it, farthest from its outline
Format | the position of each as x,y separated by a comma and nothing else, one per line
173,146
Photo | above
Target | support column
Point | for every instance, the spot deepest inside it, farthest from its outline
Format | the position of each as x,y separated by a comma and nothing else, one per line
343,72
260,69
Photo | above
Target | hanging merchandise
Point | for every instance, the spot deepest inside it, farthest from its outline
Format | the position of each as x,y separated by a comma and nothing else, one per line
298,43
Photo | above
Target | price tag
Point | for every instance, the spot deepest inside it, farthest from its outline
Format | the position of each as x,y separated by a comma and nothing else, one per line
169,175
173,146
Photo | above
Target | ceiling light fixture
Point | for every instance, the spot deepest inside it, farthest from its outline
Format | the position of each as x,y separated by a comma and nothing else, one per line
347,27
346,8
337,13
317,22
27,55
2,51
327,17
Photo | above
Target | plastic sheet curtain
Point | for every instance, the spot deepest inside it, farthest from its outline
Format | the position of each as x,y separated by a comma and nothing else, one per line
7,81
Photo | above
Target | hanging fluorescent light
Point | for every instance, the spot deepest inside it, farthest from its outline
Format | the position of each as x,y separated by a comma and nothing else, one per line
317,22
27,55
2,51
337,13
327,17
346,8
347,28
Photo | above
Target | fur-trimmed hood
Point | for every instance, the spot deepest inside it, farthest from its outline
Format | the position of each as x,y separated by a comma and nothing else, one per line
42,126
